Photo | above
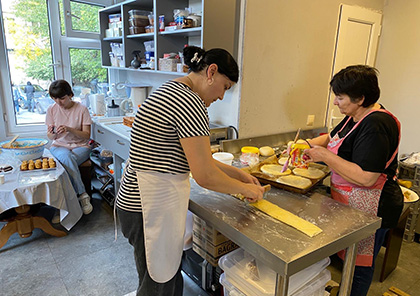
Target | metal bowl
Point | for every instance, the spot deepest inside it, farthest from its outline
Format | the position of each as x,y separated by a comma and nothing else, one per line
26,149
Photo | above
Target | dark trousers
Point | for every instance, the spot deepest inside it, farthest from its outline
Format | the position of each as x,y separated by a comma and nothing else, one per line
363,275
132,229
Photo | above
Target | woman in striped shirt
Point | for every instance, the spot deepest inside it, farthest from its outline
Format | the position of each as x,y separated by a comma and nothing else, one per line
170,138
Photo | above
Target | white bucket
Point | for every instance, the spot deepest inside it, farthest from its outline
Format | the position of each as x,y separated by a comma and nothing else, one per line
224,157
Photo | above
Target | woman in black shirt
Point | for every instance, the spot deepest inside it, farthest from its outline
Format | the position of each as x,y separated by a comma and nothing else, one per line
362,155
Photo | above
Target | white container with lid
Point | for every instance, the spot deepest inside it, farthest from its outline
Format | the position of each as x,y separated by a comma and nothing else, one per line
315,287
224,157
254,278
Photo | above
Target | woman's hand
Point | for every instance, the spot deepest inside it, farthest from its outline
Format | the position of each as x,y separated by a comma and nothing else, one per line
51,132
62,129
247,178
253,192
51,129
317,153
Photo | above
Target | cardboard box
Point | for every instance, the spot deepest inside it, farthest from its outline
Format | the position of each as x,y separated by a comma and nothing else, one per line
212,259
168,64
207,231
215,251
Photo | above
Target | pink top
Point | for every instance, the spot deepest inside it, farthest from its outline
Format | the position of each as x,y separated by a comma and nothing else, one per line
76,117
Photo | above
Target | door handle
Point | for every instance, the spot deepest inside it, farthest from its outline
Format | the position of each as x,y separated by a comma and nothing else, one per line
101,132
121,143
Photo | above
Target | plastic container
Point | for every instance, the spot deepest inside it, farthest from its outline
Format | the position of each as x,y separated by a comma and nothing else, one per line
136,30
148,55
120,60
113,59
250,155
254,278
138,12
228,288
140,21
224,157
149,46
113,18
151,19
149,29
315,287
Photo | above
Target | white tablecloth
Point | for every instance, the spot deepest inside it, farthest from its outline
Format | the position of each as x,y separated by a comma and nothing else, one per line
56,192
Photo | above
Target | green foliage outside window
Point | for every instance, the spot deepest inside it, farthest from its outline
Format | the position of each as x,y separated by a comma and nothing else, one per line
30,31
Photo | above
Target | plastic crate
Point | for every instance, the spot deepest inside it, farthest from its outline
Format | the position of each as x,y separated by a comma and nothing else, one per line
411,172
412,220
252,277
409,238
315,287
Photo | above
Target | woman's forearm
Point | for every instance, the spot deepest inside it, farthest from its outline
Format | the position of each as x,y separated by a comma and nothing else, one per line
320,141
350,171
81,134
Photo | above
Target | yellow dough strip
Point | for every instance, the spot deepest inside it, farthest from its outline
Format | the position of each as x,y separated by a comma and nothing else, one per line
284,216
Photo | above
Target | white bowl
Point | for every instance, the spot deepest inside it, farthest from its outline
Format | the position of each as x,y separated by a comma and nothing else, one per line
224,157
26,149
409,195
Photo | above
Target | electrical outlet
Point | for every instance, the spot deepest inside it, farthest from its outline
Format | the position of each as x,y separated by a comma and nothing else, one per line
310,120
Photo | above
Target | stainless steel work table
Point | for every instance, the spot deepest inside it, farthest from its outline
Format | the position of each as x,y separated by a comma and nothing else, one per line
279,246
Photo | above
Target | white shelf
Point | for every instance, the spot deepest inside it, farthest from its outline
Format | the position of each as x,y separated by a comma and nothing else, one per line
146,71
113,38
217,31
141,36
183,32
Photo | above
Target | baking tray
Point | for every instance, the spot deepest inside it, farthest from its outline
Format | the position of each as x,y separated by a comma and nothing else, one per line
37,176
267,179
40,169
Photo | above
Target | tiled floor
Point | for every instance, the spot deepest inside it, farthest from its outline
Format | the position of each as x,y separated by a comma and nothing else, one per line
405,277
89,262
85,262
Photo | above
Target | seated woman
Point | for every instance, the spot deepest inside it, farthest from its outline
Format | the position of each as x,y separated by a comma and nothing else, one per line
69,127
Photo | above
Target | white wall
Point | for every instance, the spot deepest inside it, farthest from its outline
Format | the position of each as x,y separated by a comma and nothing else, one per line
287,62
221,112
398,61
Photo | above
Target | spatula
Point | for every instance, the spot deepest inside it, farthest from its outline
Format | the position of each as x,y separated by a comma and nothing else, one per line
9,145
286,164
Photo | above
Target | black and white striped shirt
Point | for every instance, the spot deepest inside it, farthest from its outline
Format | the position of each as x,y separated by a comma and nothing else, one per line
172,112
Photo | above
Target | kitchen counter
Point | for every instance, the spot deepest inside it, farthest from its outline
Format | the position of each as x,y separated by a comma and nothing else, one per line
113,135
279,246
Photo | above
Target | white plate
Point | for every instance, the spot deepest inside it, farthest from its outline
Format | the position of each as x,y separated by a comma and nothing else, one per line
412,196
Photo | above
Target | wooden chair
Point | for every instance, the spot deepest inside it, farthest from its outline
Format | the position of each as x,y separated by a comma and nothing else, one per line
86,174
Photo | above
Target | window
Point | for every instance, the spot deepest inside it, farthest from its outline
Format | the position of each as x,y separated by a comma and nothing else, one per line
46,40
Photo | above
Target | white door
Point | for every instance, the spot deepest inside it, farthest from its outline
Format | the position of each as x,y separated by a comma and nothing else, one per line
356,43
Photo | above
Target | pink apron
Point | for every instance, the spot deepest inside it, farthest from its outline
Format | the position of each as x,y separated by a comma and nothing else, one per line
365,199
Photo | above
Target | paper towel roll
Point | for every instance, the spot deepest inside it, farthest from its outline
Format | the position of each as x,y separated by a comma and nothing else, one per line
97,103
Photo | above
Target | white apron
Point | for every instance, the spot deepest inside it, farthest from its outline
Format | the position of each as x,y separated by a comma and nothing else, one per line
164,199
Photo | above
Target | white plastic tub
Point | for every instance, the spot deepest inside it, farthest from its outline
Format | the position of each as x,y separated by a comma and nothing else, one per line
254,278
224,157
315,287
